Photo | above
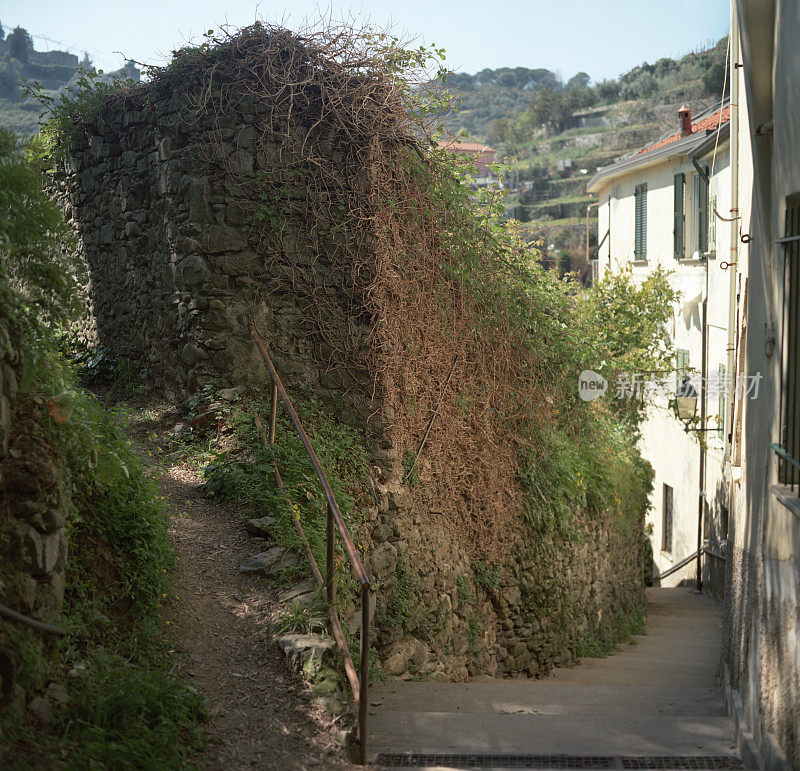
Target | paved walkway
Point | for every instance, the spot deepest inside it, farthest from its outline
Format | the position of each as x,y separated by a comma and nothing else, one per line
657,699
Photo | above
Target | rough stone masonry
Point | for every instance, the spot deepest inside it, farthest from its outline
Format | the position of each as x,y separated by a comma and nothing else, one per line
176,278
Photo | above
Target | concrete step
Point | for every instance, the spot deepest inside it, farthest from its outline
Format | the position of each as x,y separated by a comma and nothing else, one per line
543,697
553,734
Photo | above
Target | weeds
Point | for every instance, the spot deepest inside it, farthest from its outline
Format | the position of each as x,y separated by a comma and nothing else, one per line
485,575
298,618
463,592
598,643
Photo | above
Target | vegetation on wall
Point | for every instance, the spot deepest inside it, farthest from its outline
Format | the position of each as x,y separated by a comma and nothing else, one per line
125,707
460,285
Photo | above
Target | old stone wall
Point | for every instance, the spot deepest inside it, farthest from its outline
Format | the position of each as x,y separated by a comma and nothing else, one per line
468,616
177,275
156,199
33,540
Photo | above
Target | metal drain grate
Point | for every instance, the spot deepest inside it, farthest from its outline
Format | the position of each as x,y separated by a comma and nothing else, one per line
422,760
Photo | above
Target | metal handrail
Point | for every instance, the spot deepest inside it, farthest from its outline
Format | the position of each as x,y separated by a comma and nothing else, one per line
686,560
359,683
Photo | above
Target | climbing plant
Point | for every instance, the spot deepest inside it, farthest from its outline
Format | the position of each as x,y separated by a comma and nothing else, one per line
340,161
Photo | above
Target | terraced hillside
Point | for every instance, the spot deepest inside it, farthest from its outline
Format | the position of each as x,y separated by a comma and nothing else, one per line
559,134
547,182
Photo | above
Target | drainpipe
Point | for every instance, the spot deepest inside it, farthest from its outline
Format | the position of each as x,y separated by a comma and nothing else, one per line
701,483
733,260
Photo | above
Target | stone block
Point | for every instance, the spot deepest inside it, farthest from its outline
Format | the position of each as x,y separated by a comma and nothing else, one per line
191,272
224,238
383,560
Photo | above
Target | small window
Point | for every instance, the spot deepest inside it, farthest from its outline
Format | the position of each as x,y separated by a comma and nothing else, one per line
681,366
679,218
723,401
666,520
640,228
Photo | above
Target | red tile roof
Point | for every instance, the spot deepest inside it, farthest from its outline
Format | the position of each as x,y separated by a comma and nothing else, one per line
709,123
482,155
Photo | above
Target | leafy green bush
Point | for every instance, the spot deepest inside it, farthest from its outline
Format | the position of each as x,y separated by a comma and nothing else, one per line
128,717
126,709
244,471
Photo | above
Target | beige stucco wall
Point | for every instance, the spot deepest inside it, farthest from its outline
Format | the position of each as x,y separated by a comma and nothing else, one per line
762,650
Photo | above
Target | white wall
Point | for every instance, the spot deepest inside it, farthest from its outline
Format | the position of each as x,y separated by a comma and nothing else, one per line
672,452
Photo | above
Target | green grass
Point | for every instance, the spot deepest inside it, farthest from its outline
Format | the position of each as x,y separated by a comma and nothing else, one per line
126,708
238,468
598,643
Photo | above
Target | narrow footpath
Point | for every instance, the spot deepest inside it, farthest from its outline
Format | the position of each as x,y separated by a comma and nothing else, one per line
260,714
655,704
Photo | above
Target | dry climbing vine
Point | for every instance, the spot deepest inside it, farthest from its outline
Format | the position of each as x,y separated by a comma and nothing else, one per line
397,270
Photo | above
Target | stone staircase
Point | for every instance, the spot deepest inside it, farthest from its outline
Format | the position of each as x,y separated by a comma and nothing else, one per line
654,704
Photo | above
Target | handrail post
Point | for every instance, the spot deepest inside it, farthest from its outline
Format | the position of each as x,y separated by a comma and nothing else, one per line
273,412
363,680
359,685
330,586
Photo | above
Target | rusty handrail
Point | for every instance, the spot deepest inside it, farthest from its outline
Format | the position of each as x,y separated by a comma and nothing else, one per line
359,683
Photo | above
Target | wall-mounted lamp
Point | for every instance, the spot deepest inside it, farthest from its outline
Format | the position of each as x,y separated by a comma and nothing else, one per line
686,405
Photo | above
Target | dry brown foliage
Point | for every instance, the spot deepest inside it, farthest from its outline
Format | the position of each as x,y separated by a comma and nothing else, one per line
345,172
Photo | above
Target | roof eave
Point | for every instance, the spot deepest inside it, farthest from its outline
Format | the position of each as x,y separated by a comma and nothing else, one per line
711,140
686,146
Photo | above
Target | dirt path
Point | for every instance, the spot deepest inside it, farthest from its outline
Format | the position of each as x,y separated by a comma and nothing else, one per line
260,713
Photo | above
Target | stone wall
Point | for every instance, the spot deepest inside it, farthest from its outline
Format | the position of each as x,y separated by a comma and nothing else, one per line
33,541
176,277
520,620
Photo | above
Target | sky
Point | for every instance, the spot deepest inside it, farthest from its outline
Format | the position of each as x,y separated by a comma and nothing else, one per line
603,38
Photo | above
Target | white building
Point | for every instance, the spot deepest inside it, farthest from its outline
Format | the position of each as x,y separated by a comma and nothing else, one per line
657,208
747,497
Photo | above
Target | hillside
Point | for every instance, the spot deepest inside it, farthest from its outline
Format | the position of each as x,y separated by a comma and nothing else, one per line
560,133
51,71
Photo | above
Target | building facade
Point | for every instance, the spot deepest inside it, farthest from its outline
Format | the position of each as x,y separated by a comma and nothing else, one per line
738,316
664,207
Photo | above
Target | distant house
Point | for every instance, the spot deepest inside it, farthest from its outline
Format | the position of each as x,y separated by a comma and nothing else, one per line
657,209
481,155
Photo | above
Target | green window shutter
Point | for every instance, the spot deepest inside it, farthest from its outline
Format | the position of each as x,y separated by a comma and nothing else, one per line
712,225
679,229
640,222
681,365
702,213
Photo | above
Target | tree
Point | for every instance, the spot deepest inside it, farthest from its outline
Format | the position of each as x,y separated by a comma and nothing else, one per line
549,107
608,90
20,44
714,80
581,80
33,236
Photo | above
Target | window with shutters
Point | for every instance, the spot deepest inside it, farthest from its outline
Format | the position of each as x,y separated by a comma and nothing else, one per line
723,398
712,225
666,519
681,365
702,212
788,471
640,227
679,218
